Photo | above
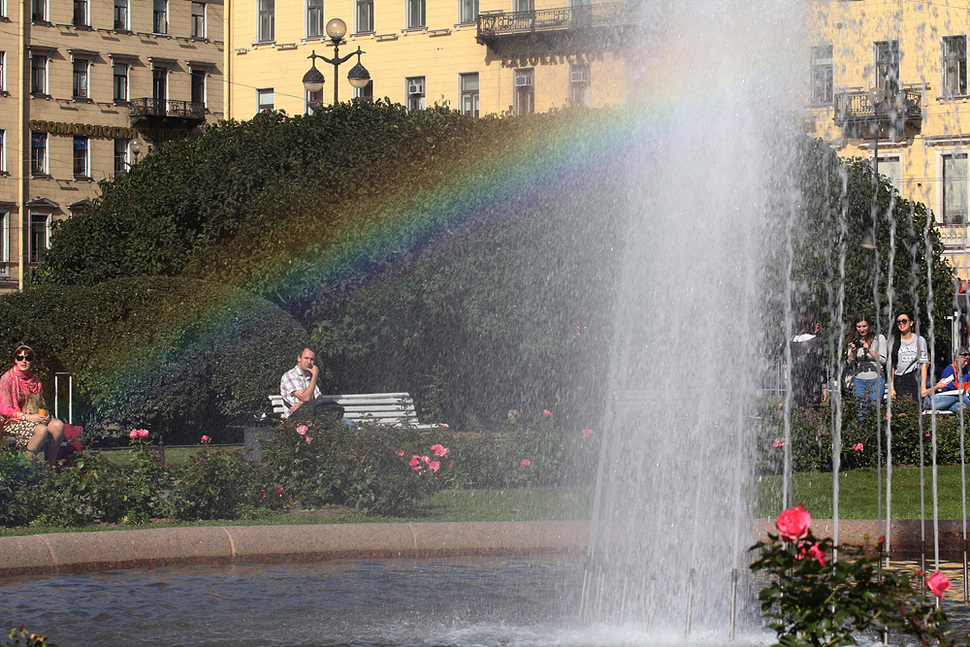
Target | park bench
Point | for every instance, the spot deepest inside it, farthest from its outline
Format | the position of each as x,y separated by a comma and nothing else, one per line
395,409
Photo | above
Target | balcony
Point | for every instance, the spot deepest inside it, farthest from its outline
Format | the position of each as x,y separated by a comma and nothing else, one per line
166,113
495,26
867,114
953,236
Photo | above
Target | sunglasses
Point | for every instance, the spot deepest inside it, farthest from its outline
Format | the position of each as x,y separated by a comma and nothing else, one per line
902,321
24,358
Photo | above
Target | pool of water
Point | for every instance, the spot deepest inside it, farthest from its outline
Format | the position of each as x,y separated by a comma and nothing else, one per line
420,603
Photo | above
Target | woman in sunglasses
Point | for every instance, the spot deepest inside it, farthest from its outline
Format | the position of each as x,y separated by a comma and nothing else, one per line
910,360
22,408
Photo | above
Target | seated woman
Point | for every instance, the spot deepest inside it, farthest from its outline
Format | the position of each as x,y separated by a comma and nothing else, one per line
23,412
951,391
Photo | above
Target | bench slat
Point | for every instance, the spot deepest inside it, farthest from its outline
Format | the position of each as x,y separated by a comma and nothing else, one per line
386,408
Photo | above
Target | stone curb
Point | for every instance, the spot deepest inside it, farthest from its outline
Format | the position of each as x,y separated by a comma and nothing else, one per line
118,549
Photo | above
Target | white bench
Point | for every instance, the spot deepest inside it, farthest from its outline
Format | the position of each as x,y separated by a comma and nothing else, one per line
396,409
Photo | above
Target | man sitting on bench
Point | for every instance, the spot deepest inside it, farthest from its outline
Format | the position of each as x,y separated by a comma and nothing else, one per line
300,392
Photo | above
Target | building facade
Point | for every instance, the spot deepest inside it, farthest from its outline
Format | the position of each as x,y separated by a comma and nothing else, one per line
85,86
888,81
500,56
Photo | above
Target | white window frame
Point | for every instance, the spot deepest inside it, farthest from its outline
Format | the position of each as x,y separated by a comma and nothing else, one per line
468,12
415,14
125,158
960,74
265,29
890,80
822,69
261,94
114,83
3,152
44,10
361,93
194,73
166,8
310,99
86,13
204,20
941,194
34,255
4,243
523,73
85,172
313,14
44,168
474,95
46,76
86,76
126,22
415,92
3,70
359,27
580,84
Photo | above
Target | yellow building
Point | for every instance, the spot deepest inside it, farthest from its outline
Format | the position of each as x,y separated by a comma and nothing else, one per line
502,56
888,80
84,86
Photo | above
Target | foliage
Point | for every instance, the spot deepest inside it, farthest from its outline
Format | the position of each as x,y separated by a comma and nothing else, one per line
376,468
841,201
814,601
20,636
175,355
912,435
17,471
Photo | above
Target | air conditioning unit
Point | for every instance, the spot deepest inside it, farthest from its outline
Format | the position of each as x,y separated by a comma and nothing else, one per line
415,88
523,80
577,76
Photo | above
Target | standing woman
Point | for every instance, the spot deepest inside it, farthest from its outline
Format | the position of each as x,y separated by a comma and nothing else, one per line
22,408
910,360
866,360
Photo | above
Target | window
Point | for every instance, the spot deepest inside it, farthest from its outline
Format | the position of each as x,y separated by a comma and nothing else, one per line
38,153
38,237
121,15
414,92
3,153
521,5
264,100
886,55
81,13
4,243
365,93
38,74
160,86
314,99
892,167
822,80
38,10
121,155
364,15
954,66
416,16
82,165
160,16
3,71
955,180
524,91
198,20
266,21
314,19
467,10
120,91
469,94
80,78
198,86
579,84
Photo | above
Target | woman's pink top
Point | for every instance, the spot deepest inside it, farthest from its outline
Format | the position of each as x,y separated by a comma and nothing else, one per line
15,387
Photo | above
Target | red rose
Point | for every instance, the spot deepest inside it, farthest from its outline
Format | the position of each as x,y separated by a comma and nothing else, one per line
793,523
938,583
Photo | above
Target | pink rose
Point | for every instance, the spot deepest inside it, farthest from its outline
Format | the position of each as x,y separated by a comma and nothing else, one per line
857,447
434,466
546,413
440,450
526,462
415,462
938,583
443,426
138,433
278,489
793,523
587,433
817,553
133,434
308,439
302,429
778,443
205,439
400,452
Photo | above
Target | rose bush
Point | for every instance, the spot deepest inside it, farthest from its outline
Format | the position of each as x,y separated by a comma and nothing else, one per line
812,601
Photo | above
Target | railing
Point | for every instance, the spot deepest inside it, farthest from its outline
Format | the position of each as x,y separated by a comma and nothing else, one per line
511,23
147,107
864,116
954,236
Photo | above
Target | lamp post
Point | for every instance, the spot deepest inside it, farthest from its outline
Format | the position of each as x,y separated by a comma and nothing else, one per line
136,149
359,76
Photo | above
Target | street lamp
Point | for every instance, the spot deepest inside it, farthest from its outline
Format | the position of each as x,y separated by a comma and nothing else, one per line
136,149
359,77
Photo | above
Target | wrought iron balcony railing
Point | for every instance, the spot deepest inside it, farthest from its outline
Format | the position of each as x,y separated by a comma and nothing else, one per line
866,114
149,107
513,23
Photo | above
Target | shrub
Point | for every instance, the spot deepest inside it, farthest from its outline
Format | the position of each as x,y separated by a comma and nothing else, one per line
220,484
